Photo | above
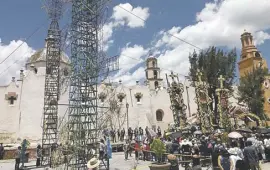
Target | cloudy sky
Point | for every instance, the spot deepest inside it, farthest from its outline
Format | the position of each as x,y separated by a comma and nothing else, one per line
154,25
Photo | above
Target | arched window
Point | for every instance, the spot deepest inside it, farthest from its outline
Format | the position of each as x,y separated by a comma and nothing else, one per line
146,73
159,115
153,64
156,84
155,74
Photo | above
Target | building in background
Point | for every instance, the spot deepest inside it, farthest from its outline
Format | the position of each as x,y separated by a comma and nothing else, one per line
251,59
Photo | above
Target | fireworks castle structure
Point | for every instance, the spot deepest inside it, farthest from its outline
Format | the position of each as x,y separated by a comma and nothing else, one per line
51,92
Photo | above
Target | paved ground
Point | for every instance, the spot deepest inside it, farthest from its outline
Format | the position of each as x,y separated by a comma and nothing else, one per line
116,163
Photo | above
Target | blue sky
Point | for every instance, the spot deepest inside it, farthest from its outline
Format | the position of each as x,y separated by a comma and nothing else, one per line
200,24
28,15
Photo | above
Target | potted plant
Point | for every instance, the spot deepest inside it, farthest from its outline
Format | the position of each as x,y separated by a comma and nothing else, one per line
159,148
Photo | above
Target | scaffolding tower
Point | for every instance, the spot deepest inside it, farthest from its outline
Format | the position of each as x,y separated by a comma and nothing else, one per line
86,68
51,91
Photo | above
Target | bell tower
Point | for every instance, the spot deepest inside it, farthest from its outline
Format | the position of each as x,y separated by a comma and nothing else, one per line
250,56
152,72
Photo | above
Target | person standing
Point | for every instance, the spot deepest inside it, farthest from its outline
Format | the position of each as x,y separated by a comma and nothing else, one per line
126,149
159,131
101,149
196,163
39,152
119,134
18,158
224,160
251,156
2,151
122,134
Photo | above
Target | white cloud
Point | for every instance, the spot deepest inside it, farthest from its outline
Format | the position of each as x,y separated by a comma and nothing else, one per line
130,56
15,62
219,23
120,17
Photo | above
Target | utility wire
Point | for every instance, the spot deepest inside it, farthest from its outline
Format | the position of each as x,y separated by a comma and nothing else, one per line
165,31
34,32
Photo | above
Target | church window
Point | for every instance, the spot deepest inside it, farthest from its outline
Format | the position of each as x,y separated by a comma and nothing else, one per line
138,96
156,84
159,115
155,74
11,97
65,72
11,100
146,74
266,84
121,96
35,70
268,100
247,42
102,96
153,64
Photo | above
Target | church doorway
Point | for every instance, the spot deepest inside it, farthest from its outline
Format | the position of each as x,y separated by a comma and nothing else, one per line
159,115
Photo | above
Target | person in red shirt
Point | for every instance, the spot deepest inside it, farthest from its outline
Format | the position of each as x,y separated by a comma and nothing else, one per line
137,148
146,150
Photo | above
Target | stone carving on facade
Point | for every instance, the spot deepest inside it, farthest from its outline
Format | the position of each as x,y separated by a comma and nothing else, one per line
121,96
102,96
11,96
138,96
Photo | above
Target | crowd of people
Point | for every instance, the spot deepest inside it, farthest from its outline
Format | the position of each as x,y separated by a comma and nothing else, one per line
243,153
119,135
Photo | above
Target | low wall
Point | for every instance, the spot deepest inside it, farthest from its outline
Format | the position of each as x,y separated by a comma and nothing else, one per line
9,154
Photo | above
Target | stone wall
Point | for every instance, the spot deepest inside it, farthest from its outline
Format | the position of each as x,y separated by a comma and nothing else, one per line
9,154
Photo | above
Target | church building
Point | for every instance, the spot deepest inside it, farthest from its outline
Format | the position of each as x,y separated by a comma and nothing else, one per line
251,59
140,105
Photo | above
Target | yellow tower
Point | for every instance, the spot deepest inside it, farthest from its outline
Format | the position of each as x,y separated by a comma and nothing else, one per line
252,58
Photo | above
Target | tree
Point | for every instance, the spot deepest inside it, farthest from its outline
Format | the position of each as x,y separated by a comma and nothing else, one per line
250,91
213,63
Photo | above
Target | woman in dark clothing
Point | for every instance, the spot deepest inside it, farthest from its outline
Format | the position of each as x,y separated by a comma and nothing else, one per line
38,155
196,165
215,155
224,161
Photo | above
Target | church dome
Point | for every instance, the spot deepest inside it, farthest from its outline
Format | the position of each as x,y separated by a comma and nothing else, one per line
40,55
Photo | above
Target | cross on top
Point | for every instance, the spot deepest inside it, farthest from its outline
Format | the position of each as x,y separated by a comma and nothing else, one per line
172,75
199,75
221,81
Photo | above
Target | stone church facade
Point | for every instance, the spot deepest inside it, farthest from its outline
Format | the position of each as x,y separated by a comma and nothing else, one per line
21,104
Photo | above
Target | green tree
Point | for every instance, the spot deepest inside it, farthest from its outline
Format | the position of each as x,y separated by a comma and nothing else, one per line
250,91
213,63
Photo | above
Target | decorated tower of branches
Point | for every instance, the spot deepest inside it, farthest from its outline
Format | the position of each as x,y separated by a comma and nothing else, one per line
175,90
203,101
223,105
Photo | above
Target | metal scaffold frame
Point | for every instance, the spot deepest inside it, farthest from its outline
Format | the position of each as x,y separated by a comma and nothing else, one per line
83,82
178,107
51,91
